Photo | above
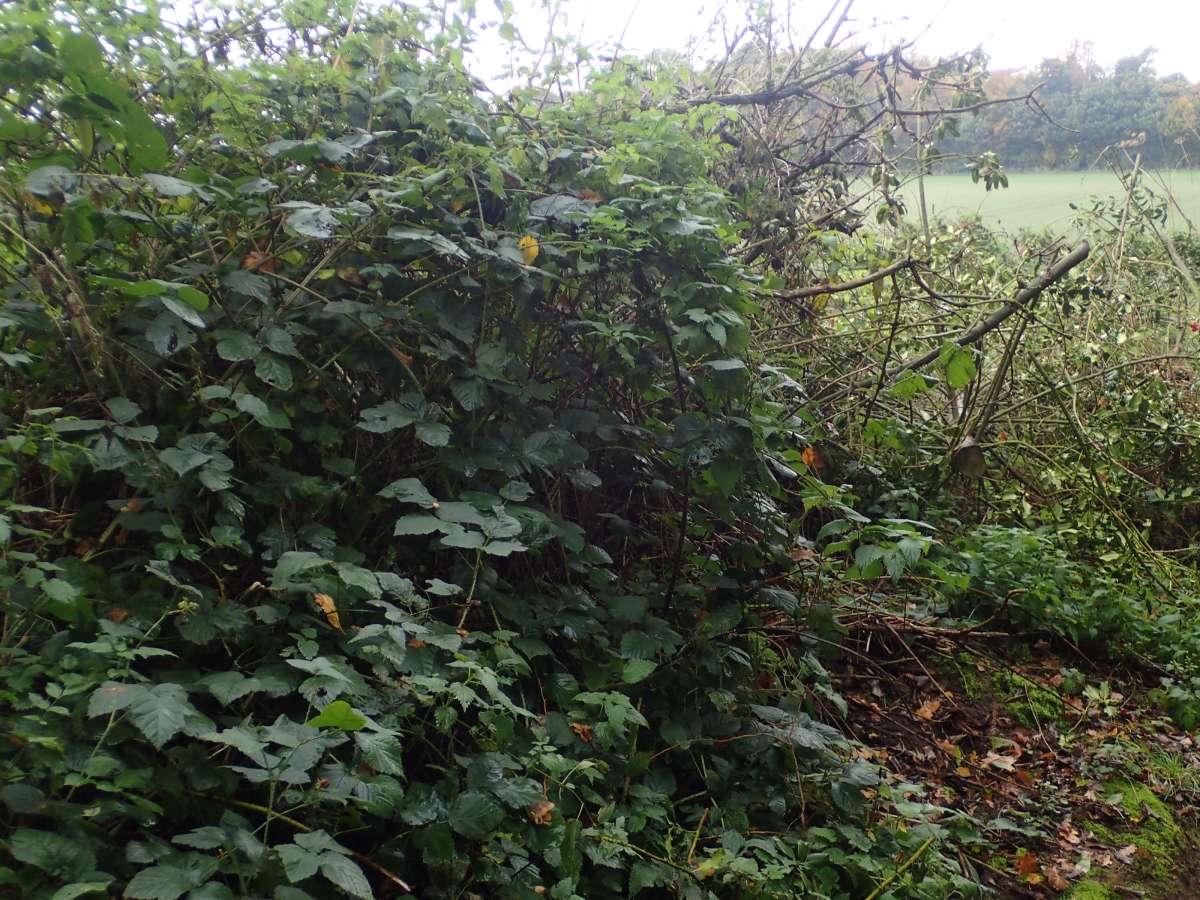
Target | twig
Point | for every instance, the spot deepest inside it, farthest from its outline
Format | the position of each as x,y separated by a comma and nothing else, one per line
904,867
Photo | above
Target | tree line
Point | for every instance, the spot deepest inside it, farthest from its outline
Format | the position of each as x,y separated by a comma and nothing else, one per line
1082,112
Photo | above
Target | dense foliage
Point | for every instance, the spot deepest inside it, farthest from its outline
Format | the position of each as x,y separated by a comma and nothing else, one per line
408,489
386,503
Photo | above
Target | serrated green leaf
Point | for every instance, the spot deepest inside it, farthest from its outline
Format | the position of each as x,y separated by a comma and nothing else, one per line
475,815
636,670
409,525
160,883
409,490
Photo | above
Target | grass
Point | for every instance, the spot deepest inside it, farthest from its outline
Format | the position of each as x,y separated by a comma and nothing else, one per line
1042,199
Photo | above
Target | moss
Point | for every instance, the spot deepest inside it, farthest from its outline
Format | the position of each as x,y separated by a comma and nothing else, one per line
1154,830
1091,890
1027,702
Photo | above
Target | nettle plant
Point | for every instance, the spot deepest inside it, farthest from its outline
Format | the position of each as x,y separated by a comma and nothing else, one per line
383,490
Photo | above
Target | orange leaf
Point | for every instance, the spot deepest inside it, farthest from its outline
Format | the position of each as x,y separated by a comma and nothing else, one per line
1027,863
539,813
928,709
326,605
257,260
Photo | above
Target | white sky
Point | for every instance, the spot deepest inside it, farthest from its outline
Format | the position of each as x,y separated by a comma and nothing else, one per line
1016,33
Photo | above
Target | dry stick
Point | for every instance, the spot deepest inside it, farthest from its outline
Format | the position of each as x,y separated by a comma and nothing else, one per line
1023,299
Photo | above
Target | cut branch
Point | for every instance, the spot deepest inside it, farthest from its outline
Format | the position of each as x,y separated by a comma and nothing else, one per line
1023,300
816,290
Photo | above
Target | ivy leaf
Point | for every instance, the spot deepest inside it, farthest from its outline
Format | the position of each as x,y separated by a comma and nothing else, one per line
475,815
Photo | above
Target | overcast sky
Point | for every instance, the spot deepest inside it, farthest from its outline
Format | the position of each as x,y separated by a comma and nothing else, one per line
1016,33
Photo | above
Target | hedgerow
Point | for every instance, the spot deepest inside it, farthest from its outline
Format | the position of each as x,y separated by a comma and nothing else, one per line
387,502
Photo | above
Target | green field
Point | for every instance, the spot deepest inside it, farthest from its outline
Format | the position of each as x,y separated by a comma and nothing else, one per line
1042,199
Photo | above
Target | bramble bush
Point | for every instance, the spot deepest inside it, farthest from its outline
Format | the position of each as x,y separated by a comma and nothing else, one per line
387,503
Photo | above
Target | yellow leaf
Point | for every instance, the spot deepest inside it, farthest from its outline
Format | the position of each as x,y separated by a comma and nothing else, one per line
529,249
326,605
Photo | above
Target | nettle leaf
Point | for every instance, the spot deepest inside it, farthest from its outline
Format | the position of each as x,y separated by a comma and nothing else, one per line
475,815
381,750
